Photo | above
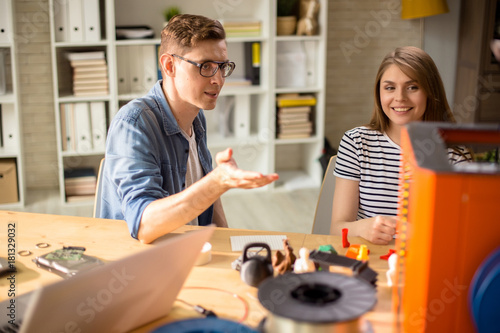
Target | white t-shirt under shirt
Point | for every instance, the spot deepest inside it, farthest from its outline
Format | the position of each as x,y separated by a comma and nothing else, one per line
373,159
194,171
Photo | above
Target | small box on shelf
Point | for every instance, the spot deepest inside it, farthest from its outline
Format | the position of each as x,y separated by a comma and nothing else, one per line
8,181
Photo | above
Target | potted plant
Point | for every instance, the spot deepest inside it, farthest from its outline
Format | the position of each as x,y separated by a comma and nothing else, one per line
286,20
170,12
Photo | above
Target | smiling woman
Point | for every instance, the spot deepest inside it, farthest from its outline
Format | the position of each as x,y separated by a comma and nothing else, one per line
408,88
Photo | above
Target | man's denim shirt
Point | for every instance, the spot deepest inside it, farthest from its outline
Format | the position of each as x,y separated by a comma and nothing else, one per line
146,158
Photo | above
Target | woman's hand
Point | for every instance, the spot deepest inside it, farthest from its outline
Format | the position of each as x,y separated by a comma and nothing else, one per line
379,229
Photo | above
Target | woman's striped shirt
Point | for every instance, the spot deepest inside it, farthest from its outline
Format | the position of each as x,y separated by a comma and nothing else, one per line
373,159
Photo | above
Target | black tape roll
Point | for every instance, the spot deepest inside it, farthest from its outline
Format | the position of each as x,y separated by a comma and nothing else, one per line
318,297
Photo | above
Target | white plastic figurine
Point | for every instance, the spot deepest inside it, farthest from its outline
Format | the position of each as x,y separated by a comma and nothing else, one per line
303,264
392,261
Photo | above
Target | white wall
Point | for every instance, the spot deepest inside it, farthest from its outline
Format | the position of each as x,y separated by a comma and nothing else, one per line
441,43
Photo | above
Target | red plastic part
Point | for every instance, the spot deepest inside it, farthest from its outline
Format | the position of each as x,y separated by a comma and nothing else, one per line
345,242
386,256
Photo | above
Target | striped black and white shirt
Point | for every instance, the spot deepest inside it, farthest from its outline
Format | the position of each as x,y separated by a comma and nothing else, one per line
373,159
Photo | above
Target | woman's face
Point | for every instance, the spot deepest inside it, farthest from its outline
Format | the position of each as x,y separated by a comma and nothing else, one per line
402,98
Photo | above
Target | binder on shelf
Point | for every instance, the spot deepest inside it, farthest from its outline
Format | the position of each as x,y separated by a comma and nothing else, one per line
1,127
10,136
68,134
91,20
136,70
242,116
98,125
225,113
82,127
310,51
61,23
252,62
3,73
62,121
5,22
123,69
150,73
75,21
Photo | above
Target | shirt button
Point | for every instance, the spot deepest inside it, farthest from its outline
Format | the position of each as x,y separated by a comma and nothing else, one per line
183,185
187,151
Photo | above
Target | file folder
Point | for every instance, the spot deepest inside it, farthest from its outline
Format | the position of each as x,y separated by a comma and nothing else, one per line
61,24
75,20
91,20
3,77
150,74
123,67
5,22
98,122
136,69
82,127
10,136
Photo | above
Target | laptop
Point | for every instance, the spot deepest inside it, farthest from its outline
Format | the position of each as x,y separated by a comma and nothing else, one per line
116,297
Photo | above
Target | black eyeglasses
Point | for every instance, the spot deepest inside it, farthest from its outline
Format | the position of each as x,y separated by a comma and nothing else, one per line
209,68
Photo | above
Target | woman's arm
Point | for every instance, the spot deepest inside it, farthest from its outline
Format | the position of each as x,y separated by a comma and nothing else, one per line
378,229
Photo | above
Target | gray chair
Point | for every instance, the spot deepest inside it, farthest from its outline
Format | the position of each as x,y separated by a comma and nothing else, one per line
97,199
323,214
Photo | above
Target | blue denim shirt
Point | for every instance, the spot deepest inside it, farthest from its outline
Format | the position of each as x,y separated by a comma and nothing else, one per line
146,158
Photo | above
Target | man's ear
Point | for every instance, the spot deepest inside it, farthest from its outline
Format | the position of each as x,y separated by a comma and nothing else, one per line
167,64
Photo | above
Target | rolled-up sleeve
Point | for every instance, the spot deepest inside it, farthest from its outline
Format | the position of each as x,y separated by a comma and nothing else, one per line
132,165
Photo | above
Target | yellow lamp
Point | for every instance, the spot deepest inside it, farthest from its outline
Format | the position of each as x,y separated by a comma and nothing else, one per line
411,9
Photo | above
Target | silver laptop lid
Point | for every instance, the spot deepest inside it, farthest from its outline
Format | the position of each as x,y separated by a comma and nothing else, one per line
120,295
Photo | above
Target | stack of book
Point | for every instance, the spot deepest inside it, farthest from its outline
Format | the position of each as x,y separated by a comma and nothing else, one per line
80,184
90,73
294,116
242,28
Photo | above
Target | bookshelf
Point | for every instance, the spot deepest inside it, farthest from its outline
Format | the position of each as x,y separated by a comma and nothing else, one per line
11,158
246,113
83,54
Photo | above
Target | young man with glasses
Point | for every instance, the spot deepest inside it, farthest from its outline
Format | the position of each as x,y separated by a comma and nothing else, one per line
158,172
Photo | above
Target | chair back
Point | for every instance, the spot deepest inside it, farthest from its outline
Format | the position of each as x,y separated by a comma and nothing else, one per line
323,214
97,199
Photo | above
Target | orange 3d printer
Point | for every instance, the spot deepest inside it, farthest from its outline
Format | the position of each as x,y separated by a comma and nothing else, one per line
449,222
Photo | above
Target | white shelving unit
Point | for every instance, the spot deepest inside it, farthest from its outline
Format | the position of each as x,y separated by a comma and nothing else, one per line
253,120
10,124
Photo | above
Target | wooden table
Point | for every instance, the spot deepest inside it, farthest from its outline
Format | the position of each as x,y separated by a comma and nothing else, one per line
215,286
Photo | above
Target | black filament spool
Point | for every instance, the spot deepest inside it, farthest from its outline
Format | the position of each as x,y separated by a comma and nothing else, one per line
316,293
317,297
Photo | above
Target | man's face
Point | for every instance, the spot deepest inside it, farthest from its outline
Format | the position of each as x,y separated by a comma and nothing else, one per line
194,89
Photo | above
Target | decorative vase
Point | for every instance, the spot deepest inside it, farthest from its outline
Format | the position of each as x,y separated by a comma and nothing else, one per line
285,25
